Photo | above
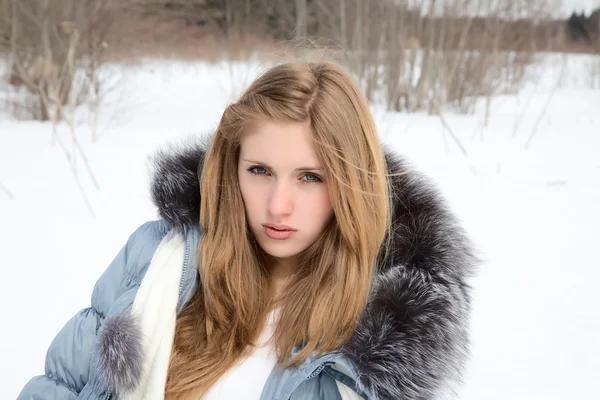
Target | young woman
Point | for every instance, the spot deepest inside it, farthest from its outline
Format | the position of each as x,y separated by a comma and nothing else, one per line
295,258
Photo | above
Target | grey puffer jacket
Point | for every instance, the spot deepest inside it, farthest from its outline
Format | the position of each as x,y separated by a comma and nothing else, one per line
411,342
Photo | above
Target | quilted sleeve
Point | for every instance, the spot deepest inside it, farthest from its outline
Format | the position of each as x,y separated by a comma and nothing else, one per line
68,358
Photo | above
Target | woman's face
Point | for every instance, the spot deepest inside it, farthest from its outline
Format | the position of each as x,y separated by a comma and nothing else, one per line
283,187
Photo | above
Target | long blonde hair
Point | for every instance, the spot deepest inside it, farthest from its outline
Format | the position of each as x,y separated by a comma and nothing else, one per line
327,295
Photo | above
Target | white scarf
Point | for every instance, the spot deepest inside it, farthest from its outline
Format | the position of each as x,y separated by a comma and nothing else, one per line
155,307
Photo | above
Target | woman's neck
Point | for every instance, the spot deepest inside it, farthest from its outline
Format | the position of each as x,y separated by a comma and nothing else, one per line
281,272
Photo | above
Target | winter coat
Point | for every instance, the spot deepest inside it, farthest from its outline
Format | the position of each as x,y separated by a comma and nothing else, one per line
411,342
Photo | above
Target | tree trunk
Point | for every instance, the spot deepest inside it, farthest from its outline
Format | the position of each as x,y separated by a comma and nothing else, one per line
301,19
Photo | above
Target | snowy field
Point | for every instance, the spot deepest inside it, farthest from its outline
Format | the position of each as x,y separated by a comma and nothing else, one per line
532,212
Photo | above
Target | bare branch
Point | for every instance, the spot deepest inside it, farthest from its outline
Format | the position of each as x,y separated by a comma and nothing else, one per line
547,103
454,137
5,190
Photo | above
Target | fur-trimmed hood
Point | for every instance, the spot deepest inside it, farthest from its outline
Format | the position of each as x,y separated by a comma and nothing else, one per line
412,340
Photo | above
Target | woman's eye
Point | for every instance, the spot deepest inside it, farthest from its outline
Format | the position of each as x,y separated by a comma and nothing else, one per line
257,170
307,178
312,178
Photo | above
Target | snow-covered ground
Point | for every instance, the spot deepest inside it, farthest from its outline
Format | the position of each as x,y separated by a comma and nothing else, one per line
532,213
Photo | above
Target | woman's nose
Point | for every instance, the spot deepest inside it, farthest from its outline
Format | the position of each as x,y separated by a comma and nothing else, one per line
281,202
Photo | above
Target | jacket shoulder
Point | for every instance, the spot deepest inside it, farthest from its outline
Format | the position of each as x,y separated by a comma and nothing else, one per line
127,269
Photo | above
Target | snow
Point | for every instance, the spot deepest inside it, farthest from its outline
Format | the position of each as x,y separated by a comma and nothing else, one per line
531,212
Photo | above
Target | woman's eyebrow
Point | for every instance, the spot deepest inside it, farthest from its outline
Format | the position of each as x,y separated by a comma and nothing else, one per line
297,169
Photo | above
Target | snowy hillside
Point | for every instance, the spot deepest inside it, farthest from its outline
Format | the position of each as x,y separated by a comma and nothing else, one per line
532,212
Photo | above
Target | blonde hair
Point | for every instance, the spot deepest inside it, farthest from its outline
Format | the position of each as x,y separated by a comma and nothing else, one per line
328,293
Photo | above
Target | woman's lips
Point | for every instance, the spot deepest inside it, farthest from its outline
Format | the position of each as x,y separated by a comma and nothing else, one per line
278,232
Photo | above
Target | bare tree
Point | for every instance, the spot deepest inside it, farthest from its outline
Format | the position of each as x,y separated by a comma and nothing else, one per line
56,51
49,43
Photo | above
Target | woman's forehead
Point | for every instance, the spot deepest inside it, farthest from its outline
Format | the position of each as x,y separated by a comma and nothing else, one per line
280,145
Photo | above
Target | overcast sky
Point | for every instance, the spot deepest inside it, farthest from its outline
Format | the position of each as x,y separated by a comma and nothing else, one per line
581,5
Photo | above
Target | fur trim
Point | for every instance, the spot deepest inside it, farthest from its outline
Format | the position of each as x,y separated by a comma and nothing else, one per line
176,183
412,341
120,352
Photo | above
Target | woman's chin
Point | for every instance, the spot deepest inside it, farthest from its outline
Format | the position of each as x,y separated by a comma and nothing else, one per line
280,251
